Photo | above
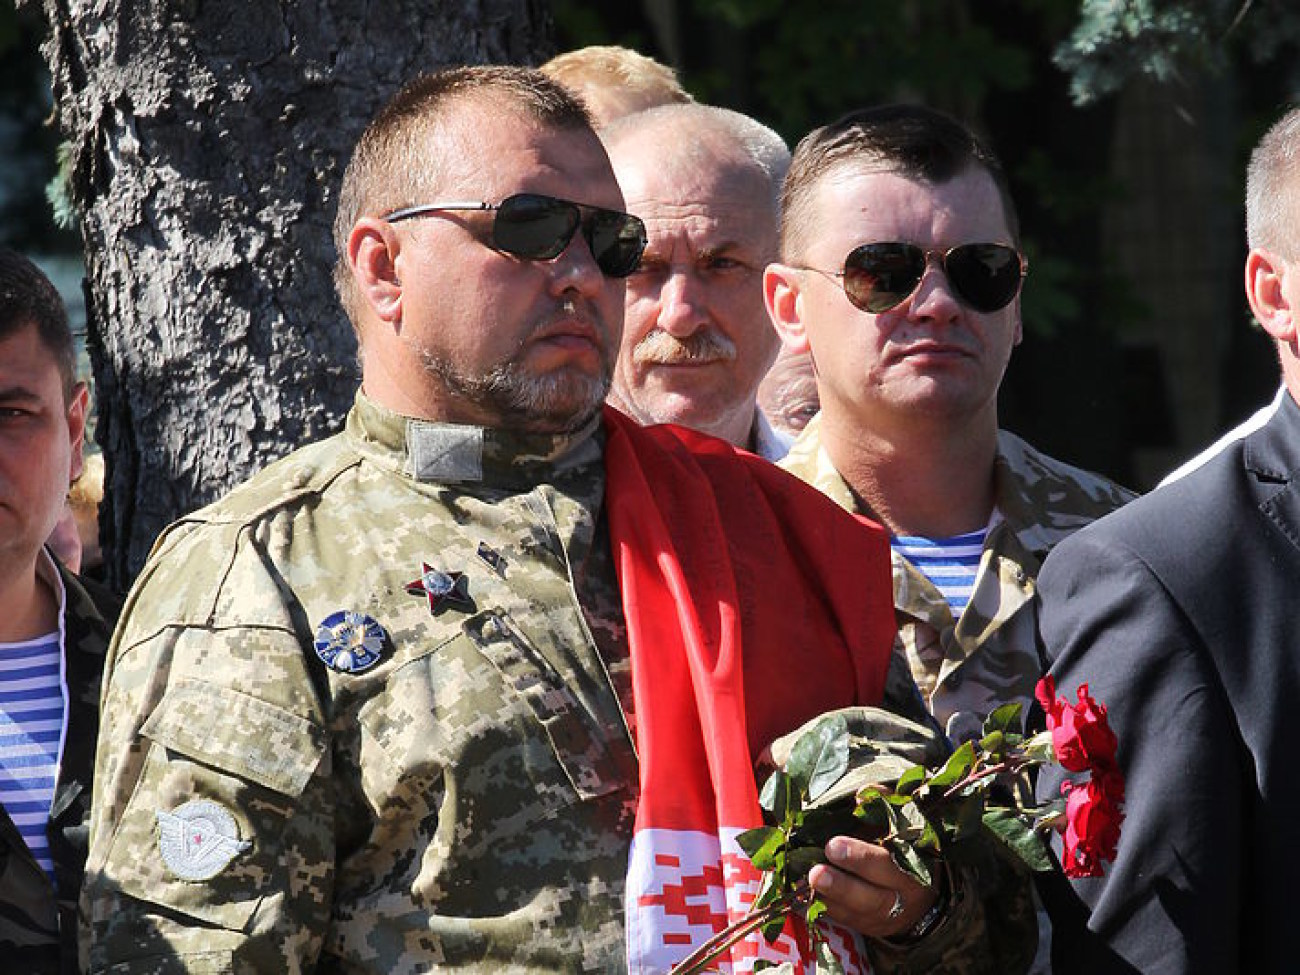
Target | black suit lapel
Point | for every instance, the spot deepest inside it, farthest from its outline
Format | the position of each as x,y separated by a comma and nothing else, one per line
1271,457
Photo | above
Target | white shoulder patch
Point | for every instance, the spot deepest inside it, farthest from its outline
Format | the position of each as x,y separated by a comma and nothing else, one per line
198,839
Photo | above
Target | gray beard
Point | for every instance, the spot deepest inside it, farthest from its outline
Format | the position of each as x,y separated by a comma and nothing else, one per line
553,403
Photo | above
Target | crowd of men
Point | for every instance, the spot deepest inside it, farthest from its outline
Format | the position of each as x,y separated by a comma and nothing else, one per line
480,682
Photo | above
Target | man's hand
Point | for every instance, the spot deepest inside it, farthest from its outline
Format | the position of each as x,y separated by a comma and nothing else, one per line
865,891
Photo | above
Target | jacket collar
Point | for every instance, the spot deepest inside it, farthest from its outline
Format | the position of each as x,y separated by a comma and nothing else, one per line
449,453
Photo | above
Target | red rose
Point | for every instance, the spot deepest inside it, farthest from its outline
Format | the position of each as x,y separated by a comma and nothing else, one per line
1081,737
1092,824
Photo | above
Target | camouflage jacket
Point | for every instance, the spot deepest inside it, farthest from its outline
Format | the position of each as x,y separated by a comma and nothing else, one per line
38,920
464,799
967,667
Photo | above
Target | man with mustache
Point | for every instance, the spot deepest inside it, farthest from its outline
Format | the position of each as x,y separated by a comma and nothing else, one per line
424,695
696,341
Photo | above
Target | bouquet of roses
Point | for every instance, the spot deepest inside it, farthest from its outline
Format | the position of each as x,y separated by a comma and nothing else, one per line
833,782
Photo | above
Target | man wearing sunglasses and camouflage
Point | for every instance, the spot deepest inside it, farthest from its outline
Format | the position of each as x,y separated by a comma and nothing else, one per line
423,696
901,275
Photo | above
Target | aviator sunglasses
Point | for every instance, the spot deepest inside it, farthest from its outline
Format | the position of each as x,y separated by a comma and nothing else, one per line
539,228
878,277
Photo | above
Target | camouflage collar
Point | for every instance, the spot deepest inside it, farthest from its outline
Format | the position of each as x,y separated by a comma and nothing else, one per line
1039,498
455,453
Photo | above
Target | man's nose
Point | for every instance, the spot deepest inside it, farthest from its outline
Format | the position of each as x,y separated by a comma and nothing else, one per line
576,267
934,299
682,308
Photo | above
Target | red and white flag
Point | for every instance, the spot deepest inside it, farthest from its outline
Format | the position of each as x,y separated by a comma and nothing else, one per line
753,604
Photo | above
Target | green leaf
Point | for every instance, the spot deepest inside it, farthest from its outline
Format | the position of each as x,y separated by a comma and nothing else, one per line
909,780
819,825
1007,826
762,845
770,894
780,797
956,768
874,813
1005,719
1039,747
929,839
816,908
911,822
800,860
909,861
962,818
773,928
820,757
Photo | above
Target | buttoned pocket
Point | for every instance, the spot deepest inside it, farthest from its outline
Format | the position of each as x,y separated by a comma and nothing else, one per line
203,832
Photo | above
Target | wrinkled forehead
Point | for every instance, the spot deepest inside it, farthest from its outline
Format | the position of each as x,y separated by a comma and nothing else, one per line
662,162
488,149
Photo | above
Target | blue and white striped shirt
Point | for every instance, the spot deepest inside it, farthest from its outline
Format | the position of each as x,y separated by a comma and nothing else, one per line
32,711
950,563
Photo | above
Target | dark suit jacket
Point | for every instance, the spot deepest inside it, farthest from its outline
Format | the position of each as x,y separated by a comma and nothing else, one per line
38,924
1181,613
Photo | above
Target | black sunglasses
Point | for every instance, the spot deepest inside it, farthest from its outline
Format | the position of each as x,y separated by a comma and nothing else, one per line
878,277
539,228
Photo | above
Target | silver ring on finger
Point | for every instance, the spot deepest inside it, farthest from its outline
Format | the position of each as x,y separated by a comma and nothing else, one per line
896,909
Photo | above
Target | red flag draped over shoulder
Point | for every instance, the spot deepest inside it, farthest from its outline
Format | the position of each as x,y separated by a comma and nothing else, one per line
753,604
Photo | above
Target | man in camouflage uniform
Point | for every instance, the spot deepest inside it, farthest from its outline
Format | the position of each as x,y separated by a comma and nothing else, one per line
42,423
908,431
910,344
372,711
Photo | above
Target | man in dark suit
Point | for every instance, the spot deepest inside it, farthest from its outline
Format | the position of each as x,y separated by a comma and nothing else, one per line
1178,611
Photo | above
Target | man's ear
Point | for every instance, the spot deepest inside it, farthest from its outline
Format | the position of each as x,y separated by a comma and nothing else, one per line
1265,276
373,251
784,303
77,408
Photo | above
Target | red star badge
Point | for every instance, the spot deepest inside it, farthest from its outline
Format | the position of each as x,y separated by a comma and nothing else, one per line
444,589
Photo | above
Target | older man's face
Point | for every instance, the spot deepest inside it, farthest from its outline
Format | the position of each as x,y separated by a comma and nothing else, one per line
491,339
697,340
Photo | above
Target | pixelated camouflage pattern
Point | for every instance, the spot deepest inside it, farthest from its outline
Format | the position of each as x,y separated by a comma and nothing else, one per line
967,667
38,918
465,803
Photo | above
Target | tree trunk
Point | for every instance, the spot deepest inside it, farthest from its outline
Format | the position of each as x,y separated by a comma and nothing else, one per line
207,141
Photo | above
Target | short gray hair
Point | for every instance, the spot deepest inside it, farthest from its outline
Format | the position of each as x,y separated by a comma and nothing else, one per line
1270,198
761,145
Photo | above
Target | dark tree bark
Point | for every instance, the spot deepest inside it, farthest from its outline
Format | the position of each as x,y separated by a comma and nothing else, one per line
207,142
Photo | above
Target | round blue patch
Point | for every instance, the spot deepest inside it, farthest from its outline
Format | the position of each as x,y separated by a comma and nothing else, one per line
349,642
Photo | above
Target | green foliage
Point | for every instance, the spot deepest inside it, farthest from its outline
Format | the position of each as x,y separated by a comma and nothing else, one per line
58,191
1115,41
821,757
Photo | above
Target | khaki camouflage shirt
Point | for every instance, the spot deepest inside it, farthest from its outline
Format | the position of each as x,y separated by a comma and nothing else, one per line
463,800
989,656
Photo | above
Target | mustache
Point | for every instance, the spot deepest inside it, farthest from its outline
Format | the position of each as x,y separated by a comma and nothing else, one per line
658,347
